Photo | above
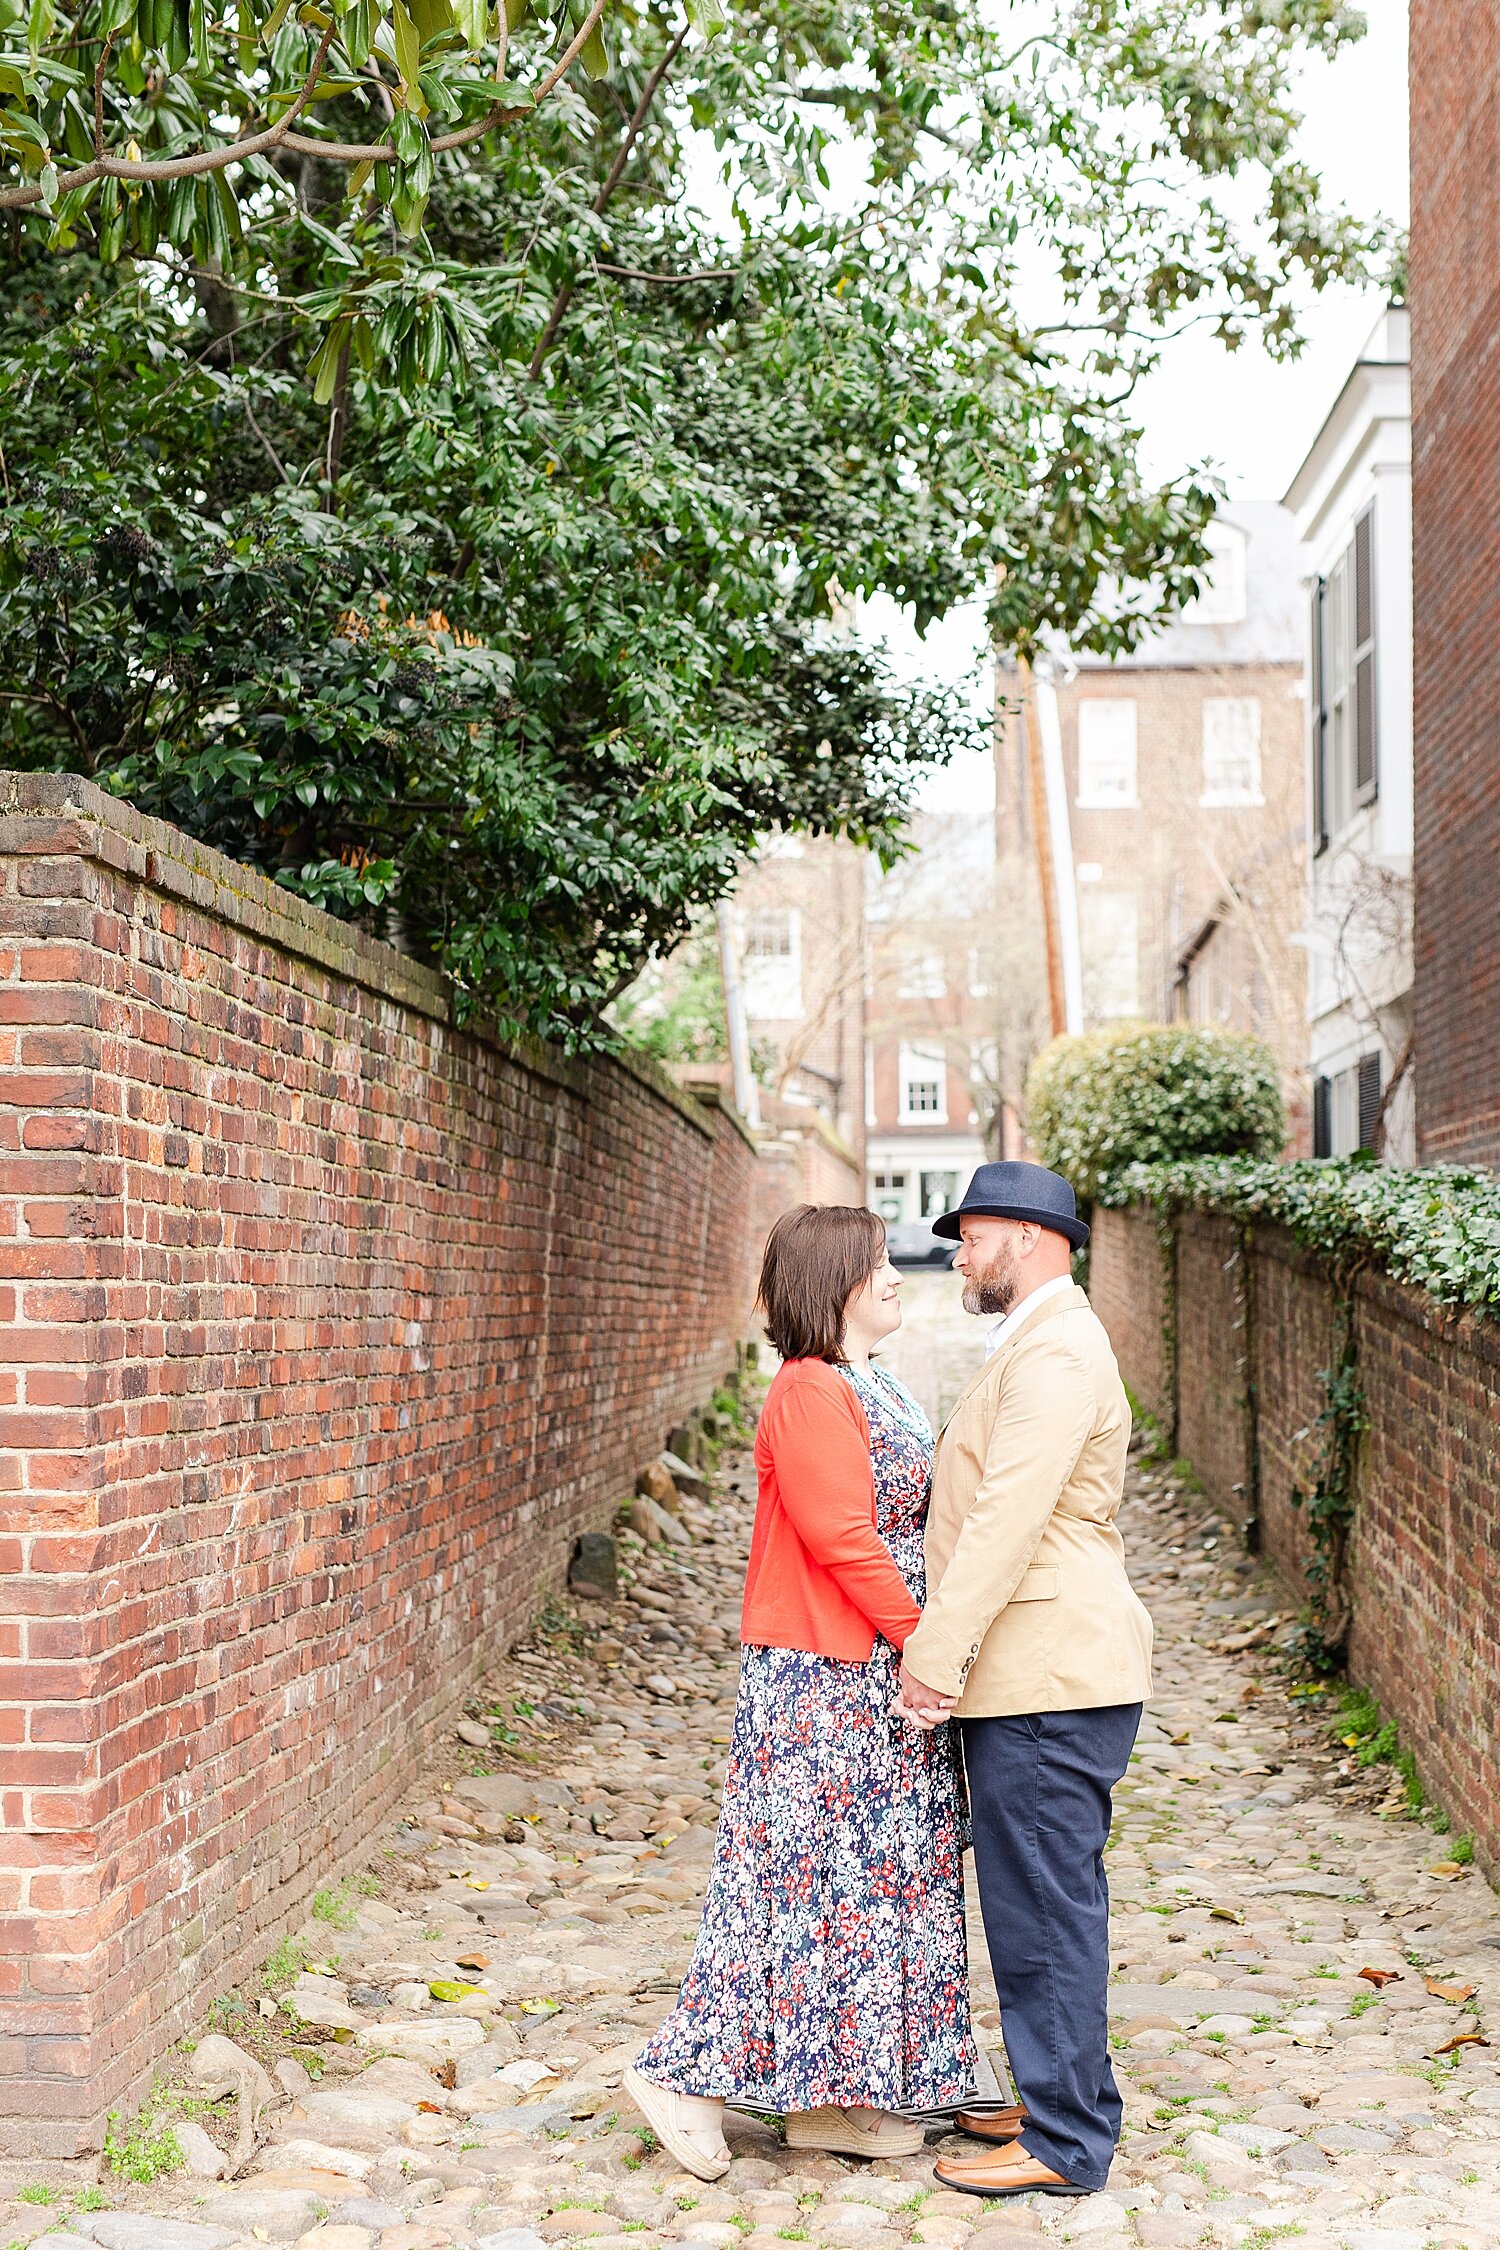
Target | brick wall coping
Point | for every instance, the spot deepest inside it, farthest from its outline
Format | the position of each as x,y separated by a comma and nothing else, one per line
65,814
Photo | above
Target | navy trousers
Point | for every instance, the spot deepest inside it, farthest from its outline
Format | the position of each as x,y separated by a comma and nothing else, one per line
1039,1789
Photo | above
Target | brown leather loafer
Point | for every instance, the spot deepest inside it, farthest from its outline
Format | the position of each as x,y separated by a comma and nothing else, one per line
1010,2171
992,2124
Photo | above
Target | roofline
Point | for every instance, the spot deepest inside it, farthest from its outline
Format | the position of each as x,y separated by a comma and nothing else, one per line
1362,369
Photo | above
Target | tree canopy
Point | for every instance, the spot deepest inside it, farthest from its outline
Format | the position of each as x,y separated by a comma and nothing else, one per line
407,488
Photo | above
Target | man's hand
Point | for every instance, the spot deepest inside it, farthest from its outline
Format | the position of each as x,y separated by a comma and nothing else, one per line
923,1706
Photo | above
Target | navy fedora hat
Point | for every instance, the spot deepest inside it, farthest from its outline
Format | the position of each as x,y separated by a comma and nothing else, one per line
1017,1191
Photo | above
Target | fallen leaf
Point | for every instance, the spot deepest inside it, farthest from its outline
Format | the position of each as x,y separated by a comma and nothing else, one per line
1177,1740
1448,1871
1452,1993
447,1988
1225,1914
477,1882
1461,2039
447,2073
540,2007
471,1960
433,2109
1379,1977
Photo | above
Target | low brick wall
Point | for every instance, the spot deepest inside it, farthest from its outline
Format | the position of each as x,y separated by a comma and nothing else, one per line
1255,1320
328,1328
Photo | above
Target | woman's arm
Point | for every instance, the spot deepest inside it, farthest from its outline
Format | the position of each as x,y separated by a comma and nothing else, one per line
824,1478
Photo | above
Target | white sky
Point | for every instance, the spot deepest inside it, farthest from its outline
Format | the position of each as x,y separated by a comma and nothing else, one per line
1238,413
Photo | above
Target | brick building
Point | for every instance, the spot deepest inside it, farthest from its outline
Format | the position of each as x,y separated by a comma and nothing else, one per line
799,924
935,986
1184,766
1351,498
1455,299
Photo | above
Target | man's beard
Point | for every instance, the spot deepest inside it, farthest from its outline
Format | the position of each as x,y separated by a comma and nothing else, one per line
994,1290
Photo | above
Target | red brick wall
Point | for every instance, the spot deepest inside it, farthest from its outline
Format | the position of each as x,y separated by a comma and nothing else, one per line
1424,1573
1455,369
1213,1412
328,1328
1131,1292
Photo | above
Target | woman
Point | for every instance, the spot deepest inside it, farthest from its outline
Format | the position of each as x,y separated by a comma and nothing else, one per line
830,1979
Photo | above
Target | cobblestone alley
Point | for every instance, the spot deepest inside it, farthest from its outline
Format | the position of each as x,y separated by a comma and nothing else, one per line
435,2058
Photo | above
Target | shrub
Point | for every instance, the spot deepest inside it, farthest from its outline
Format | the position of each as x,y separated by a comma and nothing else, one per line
1149,1093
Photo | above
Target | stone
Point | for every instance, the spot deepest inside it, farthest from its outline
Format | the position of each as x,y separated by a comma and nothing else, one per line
475,1733
292,2078
329,2237
429,2041
204,2158
315,2156
657,1484
368,2120
366,2211
595,1567
283,2213
511,2238
60,2239
685,1477
576,2226
654,1524
219,2068
141,2230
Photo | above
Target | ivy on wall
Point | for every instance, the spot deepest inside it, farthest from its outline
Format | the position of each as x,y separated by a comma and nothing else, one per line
1438,1227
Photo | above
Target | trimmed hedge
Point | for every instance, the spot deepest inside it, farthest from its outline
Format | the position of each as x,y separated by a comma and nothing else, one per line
1151,1093
1438,1227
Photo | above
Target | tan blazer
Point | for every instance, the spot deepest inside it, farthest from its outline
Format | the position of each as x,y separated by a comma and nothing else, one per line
1028,1605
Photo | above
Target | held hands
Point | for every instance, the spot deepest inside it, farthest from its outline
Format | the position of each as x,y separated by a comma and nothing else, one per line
919,1705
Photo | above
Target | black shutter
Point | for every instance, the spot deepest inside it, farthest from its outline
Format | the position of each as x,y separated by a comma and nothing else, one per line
1364,659
1369,1098
1318,722
1322,1117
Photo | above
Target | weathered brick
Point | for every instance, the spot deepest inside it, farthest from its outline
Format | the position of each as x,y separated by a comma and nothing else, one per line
403,1312
1423,1573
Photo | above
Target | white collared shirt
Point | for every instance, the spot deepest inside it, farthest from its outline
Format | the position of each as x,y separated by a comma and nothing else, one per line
1013,1319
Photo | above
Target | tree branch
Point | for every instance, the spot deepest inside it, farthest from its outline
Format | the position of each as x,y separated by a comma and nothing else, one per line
616,173
639,273
280,134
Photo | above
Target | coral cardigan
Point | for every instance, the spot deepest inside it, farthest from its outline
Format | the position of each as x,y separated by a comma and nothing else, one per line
821,1577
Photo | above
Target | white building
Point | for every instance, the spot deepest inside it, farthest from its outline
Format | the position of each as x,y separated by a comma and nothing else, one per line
1351,499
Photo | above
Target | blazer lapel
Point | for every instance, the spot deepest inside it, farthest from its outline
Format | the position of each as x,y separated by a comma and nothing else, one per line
1066,1300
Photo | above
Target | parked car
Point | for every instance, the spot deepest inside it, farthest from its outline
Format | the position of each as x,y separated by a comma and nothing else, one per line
911,1242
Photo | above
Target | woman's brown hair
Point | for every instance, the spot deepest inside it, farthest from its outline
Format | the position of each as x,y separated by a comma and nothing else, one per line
816,1257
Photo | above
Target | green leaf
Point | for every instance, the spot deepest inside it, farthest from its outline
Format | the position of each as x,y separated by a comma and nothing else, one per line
408,48
593,54
707,18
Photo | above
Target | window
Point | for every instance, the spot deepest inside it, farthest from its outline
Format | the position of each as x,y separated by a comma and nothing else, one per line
924,1086
1231,750
772,973
1222,600
939,1193
1346,1108
1341,686
890,1196
921,977
1106,752
1109,936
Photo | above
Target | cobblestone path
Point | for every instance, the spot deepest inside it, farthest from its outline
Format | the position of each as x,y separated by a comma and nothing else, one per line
436,2057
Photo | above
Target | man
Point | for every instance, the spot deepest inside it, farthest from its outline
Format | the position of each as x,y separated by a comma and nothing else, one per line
1034,1640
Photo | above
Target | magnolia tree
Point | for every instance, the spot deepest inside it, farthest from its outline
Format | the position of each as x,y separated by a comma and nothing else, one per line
406,489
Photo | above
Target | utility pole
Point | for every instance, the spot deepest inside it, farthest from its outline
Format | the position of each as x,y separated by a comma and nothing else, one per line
1041,830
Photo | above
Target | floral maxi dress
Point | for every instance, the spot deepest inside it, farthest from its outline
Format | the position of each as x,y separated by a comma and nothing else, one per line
831,1964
